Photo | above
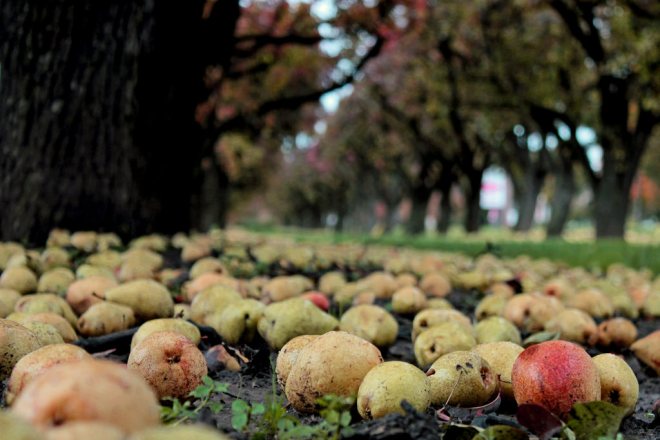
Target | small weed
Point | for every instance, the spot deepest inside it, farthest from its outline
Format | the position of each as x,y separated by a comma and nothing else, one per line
198,399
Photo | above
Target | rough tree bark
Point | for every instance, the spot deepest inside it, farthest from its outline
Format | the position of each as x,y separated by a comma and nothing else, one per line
560,204
472,220
419,198
444,185
96,116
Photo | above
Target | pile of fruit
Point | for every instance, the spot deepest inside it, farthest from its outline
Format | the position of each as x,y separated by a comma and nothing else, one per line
480,332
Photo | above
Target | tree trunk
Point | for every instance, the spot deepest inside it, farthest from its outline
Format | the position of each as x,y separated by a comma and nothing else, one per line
444,216
96,116
611,202
472,221
419,198
561,200
213,198
530,191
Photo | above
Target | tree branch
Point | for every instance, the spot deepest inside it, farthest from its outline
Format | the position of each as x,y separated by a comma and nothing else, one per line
590,41
260,41
245,122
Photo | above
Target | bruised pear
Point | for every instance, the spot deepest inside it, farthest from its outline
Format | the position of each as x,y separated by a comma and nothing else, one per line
388,384
148,299
491,305
90,390
574,325
408,300
182,311
618,384
441,339
430,317
647,350
616,333
15,342
34,364
82,294
495,329
45,333
333,363
531,311
105,318
284,320
371,323
237,322
288,355
175,325
170,362
500,356
461,378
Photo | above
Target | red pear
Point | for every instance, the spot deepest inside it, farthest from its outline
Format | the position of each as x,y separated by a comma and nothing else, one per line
555,375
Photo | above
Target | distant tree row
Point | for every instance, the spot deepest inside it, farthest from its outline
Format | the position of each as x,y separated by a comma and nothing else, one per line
469,83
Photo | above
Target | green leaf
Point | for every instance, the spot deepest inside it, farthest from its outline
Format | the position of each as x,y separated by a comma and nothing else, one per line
501,432
201,392
345,419
331,417
221,387
595,419
539,337
215,407
240,405
258,408
239,420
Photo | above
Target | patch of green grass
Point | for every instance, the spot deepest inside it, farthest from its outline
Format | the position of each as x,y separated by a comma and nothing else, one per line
589,254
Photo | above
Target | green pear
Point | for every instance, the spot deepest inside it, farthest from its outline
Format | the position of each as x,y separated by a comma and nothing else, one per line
618,384
237,322
372,323
148,299
500,356
284,320
386,385
441,339
461,378
176,325
495,329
